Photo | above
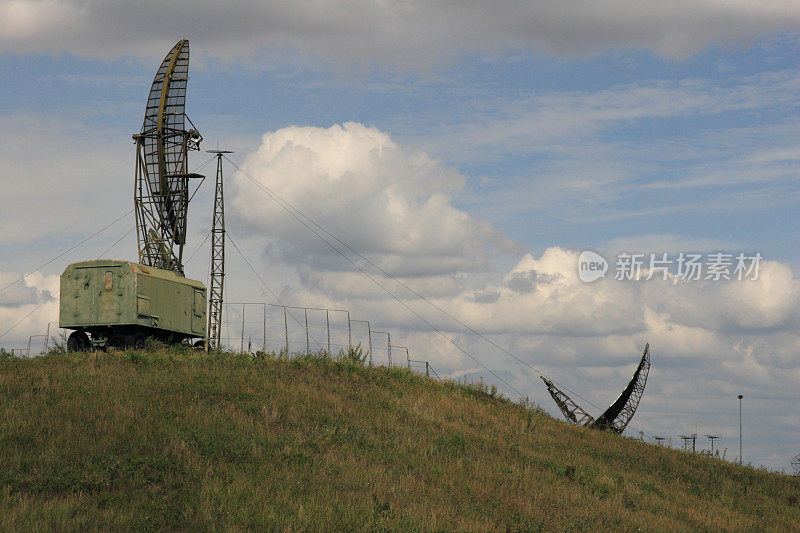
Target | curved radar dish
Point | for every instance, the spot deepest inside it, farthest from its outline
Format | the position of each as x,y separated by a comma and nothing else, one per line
619,413
161,195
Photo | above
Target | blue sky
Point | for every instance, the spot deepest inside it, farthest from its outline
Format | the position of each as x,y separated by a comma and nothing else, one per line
471,150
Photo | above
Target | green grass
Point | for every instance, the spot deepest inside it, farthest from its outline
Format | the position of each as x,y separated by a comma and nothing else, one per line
172,440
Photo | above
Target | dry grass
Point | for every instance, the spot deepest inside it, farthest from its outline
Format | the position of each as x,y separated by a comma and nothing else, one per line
170,440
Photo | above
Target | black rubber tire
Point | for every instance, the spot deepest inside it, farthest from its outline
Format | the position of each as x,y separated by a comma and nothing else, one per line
78,341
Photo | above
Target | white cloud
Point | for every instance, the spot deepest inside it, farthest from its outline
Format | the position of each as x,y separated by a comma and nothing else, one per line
401,33
355,181
770,302
395,206
32,288
36,296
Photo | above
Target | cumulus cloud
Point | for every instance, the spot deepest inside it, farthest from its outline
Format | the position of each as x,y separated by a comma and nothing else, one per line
36,296
545,296
34,287
356,181
396,206
400,33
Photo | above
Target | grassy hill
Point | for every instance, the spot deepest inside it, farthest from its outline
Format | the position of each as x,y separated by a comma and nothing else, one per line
184,440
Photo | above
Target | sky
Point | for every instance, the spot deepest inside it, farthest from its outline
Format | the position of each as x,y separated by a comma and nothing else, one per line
472,150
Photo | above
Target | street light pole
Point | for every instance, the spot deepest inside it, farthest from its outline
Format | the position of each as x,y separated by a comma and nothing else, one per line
740,428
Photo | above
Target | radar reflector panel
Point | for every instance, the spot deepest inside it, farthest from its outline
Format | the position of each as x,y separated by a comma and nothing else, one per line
161,195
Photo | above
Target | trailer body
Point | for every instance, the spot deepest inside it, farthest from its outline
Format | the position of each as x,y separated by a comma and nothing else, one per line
120,303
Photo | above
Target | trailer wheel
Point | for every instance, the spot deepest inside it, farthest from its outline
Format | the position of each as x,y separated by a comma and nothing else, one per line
78,341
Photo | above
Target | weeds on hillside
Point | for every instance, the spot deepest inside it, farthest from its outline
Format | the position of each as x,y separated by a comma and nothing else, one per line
354,354
189,440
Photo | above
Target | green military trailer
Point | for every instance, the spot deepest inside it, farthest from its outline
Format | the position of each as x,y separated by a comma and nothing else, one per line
121,303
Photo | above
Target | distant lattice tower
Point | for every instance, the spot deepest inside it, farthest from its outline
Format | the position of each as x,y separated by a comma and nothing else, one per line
217,283
796,465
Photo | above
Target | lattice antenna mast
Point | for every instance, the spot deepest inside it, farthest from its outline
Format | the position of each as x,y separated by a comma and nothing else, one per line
161,190
572,411
217,284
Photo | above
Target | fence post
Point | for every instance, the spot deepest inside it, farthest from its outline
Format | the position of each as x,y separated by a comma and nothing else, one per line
389,347
369,334
28,351
265,329
308,346
408,359
349,333
286,330
328,325
241,346
427,369
46,339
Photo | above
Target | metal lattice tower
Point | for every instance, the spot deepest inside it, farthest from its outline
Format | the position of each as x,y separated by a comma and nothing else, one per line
217,284
687,438
161,191
572,411
712,438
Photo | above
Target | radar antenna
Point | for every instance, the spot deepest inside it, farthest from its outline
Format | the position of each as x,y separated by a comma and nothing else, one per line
161,192
619,413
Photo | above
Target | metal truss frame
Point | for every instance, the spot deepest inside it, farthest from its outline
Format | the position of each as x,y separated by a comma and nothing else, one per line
619,413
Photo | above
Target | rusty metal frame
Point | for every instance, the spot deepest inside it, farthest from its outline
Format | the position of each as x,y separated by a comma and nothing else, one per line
619,413
572,411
